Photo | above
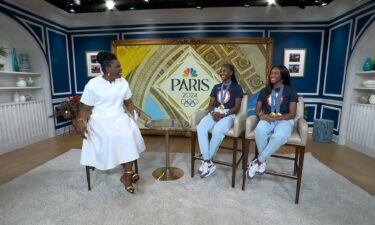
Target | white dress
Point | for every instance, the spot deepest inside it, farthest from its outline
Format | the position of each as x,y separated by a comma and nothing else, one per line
113,137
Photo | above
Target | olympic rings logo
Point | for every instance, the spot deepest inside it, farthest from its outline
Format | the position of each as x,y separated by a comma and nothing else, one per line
189,102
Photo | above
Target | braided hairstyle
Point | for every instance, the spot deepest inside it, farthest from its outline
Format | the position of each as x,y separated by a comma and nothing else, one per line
285,76
231,68
105,59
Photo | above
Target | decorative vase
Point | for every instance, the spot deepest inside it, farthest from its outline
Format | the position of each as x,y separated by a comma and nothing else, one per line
28,98
16,97
21,82
367,66
24,63
22,98
15,64
372,99
30,82
364,99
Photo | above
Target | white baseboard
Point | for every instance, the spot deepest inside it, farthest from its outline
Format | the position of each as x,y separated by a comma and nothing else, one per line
335,138
14,146
65,129
360,148
310,130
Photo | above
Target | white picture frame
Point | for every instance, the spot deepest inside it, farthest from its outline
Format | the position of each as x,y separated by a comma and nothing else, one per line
294,60
93,66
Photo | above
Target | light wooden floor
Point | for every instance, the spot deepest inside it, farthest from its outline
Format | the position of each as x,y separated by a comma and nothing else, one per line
356,167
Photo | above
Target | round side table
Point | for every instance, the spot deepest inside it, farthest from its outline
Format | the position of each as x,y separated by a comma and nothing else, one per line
167,125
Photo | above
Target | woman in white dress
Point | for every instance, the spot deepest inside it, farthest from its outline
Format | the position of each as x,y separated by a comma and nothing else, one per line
111,137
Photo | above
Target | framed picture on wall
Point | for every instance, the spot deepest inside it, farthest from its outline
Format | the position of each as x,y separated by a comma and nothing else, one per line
93,66
294,60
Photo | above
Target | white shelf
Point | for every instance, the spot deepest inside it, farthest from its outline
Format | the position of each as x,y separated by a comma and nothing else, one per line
19,103
12,73
365,88
371,72
362,104
19,88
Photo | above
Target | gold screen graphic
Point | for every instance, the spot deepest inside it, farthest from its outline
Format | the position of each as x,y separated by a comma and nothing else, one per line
172,78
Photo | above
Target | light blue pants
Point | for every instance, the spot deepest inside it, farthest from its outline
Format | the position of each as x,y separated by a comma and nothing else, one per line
219,129
281,131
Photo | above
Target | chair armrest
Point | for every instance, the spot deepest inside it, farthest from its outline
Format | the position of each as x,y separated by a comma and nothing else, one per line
251,123
239,124
196,117
302,130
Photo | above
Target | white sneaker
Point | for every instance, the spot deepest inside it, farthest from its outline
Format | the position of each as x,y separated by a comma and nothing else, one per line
208,169
251,169
261,168
200,169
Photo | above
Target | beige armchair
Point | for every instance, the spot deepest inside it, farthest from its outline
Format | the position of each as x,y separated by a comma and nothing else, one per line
298,139
235,133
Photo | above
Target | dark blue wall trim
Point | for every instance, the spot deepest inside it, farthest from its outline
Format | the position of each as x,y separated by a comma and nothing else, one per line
337,59
38,30
59,64
224,34
204,26
311,110
332,113
354,12
362,22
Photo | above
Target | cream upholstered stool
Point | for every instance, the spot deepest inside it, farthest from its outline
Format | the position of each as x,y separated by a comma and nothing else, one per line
298,139
235,133
323,130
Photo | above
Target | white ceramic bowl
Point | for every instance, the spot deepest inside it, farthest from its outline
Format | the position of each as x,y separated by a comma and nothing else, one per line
368,82
372,99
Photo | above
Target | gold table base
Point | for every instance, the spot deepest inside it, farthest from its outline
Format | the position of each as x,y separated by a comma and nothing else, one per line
167,173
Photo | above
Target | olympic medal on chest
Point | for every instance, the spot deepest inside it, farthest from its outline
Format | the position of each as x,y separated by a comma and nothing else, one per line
273,114
221,108
222,95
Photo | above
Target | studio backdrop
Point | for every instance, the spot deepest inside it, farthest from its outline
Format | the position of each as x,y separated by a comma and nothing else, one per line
172,78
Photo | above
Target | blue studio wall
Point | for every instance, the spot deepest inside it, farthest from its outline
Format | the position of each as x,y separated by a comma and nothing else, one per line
328,48
82,43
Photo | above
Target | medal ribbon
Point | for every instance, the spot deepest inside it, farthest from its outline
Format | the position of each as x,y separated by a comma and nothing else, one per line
222,94
276,101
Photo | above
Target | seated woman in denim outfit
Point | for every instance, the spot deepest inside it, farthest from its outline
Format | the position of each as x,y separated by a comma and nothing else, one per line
276,109
224,104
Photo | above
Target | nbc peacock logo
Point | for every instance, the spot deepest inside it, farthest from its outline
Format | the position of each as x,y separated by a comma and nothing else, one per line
190,72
